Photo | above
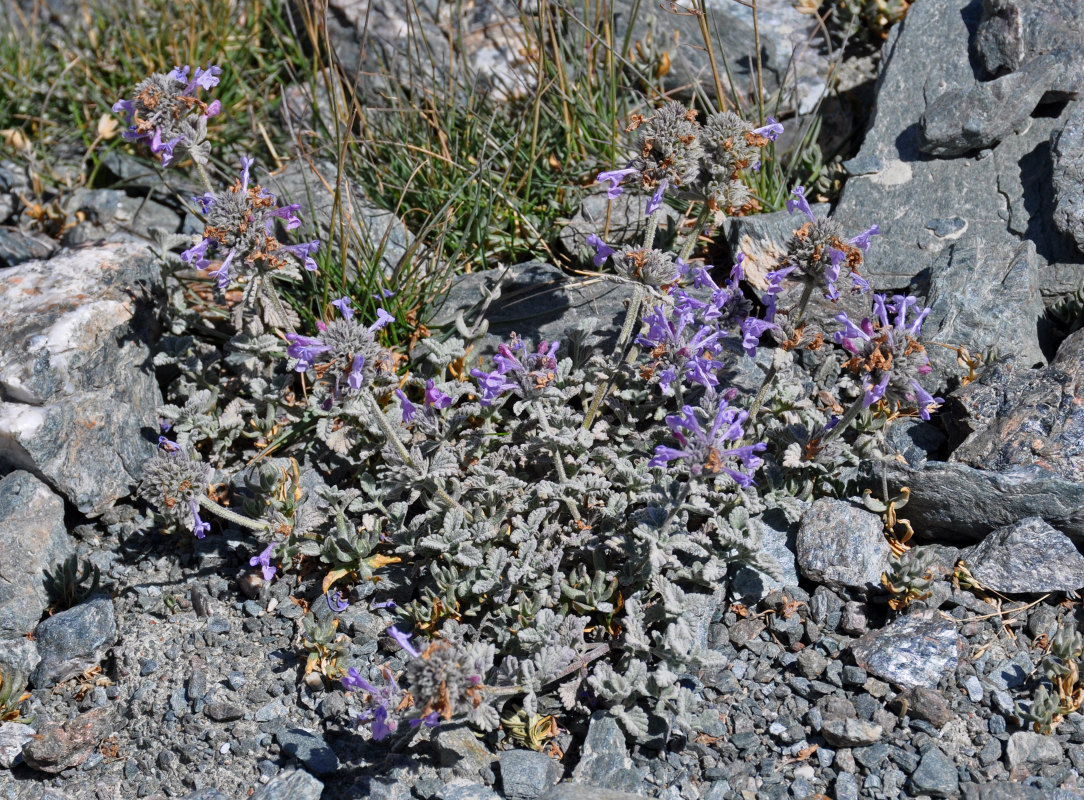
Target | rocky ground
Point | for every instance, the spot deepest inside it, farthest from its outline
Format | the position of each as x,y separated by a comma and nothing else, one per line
181,673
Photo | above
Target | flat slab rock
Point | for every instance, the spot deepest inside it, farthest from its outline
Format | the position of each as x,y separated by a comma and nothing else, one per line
842,545
78,395
916,650
1030,556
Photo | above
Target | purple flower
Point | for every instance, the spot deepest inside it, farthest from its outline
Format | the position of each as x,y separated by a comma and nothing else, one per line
705,450
264,561
205,202
493,385
861,241
197,253
223,271
335,602
125,107
288,214
737,272
353,682
213,108
615,177
179,74
385,604
383,294
305,349
343,304
434,397
382,319
860,284
304,251
205,78
655,202
403,639
164,149
602,250
801,204
831,272
199,527
167,445
924,400
770,131
874,391
409,410
357,373
430,720
382,726
752,329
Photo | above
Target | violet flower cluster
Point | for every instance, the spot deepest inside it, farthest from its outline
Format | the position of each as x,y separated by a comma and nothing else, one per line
518,370
239,237
167,115
886,354
346,349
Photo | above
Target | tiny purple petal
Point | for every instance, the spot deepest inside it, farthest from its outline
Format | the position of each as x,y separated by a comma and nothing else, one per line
602,250
357,373
861,241
801,204
434,397
655,202
343,304
335,601
403,640
771,130
382,319
615,177
409,409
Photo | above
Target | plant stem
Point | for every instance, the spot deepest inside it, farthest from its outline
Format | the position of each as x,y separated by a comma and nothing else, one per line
207,503
845,420
404,454
652,226
694,234
632,316
203,177
593,655
769,378
558,460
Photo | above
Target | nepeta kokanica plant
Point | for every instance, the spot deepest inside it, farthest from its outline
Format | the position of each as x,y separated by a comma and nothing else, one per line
167,115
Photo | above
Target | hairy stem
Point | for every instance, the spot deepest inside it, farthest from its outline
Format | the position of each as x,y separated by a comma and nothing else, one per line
592,655
845,421
203,177
404,454
207,503
632,316
694,234
773,372
558,460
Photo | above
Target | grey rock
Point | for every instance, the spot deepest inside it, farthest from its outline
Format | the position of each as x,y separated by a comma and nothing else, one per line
617,222
914,440
604,760
527,773
19,246
75,371
371,231
1028,749
110,214
575,791
14,736
73,641
59,746
846,786
33,542
1067,175
983,308
850,732
982,114
922,702
1029,556
1015,416
462,790
936,775
974,688
537,301
842,545
960,503
679,35
459,748
206,794
1004,790
916,650
1001,196
308,748
224,712
290,785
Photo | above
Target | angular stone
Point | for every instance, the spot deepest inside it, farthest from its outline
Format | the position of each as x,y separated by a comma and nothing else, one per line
290,785
458,748
975,304
1013,416
1068,175
59,746
14,736
604,760
850,732
916,650
526,774
114,215
464,790
308,748
842,545
617,222
576,791
778,540
999,196
921,702
73,641
961,504
1028,749
936,775
78,387
19,246
33,541
678,34
1028,557
370,230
